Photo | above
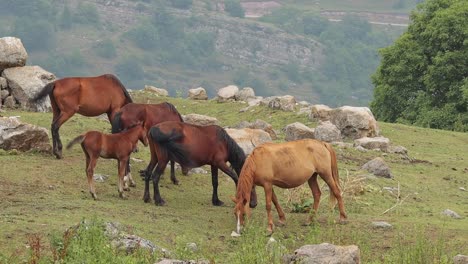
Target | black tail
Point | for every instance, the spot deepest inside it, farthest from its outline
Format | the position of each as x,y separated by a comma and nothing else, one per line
174,109
76,140
120,84
169,146
117,123
44,92
236,153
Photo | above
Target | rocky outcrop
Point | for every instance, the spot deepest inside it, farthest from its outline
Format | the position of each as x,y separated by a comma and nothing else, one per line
227,93
197,94
245,94
326,131
297,131
378,167
376,143
285,103
325,253
200,120
248,138
259,124
25,82
320,112
156,90
354,122
12,53
22,136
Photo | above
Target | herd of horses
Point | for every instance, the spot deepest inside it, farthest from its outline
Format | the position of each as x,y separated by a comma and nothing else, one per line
161,127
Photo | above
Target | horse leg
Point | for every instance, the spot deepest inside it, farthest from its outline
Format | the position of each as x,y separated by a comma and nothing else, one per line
214,181
335,190
122,168
56,123
173,177
128,176
148,172
268,196
282,218
156,177
316,193
90,165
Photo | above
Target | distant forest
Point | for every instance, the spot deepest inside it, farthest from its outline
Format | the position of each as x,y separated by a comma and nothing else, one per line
162,50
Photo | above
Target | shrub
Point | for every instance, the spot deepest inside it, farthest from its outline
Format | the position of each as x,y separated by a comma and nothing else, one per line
234,8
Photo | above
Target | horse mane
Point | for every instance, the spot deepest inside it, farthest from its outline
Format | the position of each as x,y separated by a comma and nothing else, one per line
119,83
236,155
246,179
44,92
116,123
174,109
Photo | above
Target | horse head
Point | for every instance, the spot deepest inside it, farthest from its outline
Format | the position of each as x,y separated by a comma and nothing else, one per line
241,209
143,135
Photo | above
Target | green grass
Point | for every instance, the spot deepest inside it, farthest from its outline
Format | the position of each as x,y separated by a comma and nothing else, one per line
41,197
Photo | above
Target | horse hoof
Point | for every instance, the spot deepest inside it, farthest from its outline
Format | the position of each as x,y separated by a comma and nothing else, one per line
176,182
94,196
343,221
218,203
146,199
160,203
58,155
281,223
269,232
126,189
252,204
133,184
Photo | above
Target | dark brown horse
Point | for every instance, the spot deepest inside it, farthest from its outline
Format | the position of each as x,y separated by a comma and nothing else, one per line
110,146
148,115
88,96
192,146
288,165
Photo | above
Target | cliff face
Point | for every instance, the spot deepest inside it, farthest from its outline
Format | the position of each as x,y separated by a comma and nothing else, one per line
259,45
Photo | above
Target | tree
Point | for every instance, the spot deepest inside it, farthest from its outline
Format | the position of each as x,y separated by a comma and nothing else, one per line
234,8
422,78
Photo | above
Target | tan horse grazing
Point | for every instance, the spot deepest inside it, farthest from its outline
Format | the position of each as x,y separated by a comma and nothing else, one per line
288,165
88,96
110,146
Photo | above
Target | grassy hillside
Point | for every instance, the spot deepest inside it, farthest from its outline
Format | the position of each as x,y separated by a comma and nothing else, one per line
43,196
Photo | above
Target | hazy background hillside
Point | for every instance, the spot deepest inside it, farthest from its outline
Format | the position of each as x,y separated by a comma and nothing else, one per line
319,51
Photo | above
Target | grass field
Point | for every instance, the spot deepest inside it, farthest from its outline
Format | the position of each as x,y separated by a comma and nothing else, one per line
42,196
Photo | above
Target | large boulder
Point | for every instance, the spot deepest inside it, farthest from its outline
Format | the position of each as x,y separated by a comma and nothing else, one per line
354,122
320,112
25,82
297,130
378,167
156,90
325,253
12,53
23,137
379,143
228,92
245,94
326,131
285,103
259,124
460,259
200,120
197,94
248,138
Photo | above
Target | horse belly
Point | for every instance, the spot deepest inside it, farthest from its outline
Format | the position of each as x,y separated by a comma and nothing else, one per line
291,178
88,109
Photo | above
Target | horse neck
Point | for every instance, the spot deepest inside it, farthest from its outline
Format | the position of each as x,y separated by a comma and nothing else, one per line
133,134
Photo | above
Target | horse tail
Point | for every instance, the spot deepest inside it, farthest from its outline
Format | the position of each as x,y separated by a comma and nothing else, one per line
236,155
120,84
117,123
76,140
335,175
174,109
168,145
44,92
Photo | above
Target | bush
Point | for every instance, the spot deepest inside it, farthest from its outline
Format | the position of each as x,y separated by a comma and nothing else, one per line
35,34
234,8
182,4
86,14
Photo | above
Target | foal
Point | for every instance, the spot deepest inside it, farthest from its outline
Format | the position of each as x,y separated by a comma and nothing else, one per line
110,146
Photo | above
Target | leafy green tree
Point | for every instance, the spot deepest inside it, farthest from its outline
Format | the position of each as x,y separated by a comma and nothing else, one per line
234,8
35,34
87,13
422,78
65,19
182,4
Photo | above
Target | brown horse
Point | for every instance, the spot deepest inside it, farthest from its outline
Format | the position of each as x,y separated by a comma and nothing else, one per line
192,146
288,165
110,146
148,115
88,96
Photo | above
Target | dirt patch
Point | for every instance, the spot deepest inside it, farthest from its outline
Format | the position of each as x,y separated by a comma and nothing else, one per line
259,9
